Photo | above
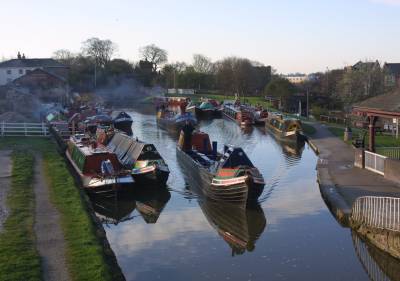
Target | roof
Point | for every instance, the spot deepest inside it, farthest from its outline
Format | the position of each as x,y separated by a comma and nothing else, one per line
45,62
387,102
393,68
33,72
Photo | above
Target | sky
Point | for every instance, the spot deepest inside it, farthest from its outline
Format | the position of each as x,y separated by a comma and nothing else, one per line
290,35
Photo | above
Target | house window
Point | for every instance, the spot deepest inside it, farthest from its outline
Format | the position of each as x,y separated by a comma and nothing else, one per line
21,71
8,71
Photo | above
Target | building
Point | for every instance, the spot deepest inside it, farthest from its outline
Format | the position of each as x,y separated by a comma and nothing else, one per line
13,69
392,74
296,78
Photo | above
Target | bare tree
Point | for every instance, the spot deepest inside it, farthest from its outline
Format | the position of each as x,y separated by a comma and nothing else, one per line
202,64
154,54
100,50
65,56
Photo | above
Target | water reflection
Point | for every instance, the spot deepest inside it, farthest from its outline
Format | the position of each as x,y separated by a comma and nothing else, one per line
377,264
240,227
119,207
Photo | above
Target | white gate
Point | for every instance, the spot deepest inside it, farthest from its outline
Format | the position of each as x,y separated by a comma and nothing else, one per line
375,162
23,129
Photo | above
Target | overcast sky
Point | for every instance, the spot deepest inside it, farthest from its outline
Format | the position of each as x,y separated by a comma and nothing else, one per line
291,35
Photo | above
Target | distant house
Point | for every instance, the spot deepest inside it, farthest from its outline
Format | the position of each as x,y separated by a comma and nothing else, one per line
361,65
15,68
296,78
392,74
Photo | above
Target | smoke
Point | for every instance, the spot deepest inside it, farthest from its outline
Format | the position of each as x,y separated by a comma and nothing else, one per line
127,92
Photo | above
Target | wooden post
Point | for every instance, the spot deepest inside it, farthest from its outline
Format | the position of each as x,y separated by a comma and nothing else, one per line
2,129
371,126
25,128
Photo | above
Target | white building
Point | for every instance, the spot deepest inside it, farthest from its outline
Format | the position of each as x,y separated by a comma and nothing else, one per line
296,78
15,68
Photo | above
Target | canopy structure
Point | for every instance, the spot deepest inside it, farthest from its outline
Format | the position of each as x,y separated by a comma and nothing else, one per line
382,106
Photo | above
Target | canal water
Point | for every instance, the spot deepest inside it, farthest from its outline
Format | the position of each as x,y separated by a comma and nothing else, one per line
175,234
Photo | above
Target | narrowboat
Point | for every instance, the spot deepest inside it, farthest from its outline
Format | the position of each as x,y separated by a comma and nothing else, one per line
260,116
142,159
208,108
96,166
285,129
238,113
123,121
170,120
229,177
239,227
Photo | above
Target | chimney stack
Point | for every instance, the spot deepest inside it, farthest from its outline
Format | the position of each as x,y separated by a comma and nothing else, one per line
19,55
23,56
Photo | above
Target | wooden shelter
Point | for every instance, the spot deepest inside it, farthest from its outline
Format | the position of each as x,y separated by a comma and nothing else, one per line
382,106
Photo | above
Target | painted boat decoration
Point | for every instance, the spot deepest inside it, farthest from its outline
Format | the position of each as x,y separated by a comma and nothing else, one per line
170,120
229,177
142,159
240,227
285,129
123,121
238,113
96,165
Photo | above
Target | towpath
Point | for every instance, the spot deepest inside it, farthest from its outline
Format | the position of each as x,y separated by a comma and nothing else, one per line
5,182
49,236
337,172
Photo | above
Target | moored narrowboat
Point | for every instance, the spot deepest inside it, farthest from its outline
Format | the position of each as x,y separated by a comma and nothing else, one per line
229,177
208,108
96,166
170,120
285,129
142,159
238,113
123,121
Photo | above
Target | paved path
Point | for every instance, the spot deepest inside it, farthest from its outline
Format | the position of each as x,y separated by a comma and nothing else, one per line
336,166
49,235
5,182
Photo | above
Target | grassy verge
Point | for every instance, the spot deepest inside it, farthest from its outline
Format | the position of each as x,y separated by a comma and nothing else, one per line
84,251
381,140
19,259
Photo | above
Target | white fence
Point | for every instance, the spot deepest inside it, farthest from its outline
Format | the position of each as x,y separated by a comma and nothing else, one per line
23,129
375,162
377,212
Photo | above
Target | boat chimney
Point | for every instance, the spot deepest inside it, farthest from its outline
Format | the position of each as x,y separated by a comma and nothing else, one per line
214,148
225,148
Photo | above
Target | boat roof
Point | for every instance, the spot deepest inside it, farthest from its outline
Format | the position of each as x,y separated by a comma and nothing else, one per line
86,149
233,157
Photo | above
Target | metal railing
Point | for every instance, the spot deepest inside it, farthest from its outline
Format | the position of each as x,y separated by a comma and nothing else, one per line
23,129
389,152
332,119
375,162
377,212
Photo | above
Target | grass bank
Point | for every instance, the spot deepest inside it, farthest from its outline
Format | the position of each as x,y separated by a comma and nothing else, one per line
19,259
308,129
381,140
85,254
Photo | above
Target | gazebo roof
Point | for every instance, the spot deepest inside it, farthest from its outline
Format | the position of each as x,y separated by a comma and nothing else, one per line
387,104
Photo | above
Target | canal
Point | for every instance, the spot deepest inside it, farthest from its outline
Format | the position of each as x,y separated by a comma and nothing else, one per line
175,234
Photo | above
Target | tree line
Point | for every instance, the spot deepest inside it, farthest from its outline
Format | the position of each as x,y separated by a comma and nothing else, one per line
95,66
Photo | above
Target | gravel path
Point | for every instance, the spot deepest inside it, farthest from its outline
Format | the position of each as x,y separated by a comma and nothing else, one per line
5,182
50,239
